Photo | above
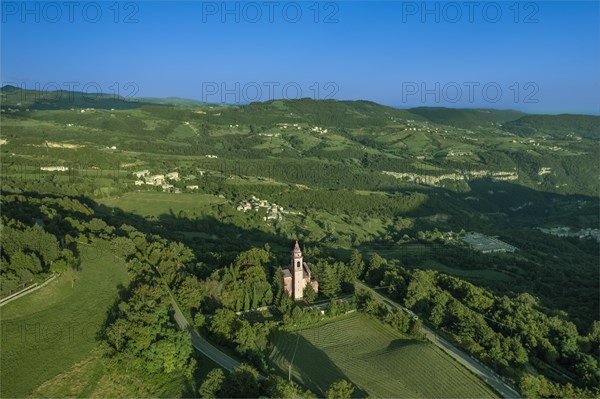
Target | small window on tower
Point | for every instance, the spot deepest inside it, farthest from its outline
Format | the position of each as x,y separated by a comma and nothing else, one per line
298,265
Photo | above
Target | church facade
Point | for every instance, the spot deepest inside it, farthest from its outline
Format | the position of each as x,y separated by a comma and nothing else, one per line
297,275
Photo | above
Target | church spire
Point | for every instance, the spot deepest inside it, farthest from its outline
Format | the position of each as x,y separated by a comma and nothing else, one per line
297,270
296,252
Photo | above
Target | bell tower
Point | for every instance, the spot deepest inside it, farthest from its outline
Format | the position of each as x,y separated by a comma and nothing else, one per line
297,270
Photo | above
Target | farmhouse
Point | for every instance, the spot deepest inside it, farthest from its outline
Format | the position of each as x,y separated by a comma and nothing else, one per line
297,276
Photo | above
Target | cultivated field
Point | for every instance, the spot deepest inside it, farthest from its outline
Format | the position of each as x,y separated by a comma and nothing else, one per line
375,358
48,331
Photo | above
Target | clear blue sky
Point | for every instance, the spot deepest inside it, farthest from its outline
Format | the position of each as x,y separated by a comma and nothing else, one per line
392,52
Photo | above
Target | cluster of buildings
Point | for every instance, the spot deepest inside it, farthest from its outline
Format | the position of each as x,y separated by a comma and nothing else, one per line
274,211
544,171
291,125
534,143
318,129
564,231
486,244
458,153
144,177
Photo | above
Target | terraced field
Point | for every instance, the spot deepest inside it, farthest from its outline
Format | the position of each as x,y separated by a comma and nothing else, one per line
375,358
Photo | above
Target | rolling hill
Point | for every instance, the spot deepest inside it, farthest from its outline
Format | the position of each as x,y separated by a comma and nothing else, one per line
562,126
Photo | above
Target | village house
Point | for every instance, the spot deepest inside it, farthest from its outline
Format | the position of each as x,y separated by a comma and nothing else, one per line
155,180
173,176
244,206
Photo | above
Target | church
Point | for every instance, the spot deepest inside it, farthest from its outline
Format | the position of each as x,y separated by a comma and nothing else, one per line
297,275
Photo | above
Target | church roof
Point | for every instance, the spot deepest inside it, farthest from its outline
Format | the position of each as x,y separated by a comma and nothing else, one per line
306,269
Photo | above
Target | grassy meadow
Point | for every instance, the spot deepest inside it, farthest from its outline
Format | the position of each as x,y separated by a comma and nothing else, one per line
50,330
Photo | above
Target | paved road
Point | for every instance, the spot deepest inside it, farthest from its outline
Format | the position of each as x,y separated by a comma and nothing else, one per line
205,347
476,367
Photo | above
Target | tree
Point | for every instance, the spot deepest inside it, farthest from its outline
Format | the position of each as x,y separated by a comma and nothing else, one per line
43,243
330,282
222,324
332,308
415,327
357,265
212,385
242,383
277,285
309,293
365,302
199,320
341,389
280,388
399,320
71,275
285,304
251,337
22,261
123,247
375,269
171,354
67,259
245,283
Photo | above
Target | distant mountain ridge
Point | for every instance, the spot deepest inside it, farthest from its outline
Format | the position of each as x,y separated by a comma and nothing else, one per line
341,113
13,96
466,117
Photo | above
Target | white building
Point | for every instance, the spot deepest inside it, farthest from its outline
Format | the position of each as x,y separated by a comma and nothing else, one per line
141,173
54,168
173,176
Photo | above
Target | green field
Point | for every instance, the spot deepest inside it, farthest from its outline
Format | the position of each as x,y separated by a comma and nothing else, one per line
48,331
377,359
157,203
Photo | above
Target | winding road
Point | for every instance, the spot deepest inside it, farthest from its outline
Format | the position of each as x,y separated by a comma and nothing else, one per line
201,344
475,366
